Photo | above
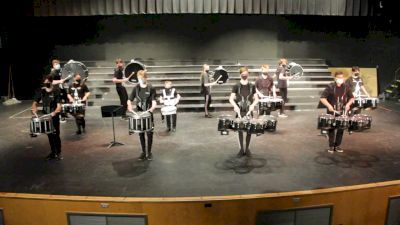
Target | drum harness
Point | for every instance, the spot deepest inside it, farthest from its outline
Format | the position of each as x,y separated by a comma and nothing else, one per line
141,101
243,104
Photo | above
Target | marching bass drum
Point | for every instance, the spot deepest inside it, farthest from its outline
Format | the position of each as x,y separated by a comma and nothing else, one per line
72,67
221,72
294,70
133,67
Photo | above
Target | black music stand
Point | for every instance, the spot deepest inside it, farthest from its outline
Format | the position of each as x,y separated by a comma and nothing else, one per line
112,111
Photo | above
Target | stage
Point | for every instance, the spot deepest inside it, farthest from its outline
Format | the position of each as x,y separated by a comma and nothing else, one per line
195,160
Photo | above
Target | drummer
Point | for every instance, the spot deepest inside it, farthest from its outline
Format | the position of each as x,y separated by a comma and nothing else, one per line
170,98
145,96
356,84
337,98
243,98
51,99
78,93
264,88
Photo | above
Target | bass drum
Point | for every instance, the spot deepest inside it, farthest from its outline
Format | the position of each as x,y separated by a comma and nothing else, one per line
71,68
294,70
222,74
131,71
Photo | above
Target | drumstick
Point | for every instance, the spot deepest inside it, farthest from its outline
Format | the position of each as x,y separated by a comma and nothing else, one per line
218,78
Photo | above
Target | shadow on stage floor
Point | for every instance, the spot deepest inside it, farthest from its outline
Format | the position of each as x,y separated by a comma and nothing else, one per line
195,160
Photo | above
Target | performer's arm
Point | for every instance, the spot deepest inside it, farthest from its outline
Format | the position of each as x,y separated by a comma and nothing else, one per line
233,103
70,98
364,90
130,107
57,110
34,107
273,90
349,103
327,104
153,105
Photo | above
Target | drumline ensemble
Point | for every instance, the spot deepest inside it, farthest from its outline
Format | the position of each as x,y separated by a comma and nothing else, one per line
141,121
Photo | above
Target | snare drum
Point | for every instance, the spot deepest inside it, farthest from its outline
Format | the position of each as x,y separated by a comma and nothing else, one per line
358,102
256,126
371,102
240,124
342,122
326,121
224,123
140,122
168,110
41,125
276,103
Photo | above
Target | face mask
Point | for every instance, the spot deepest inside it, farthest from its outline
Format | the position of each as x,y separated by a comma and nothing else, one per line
47,85
339,80
141,81
57,66
356,74
78,81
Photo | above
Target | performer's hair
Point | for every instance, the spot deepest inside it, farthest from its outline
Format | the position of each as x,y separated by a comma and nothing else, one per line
243,69
337,73
281,61
355,68
142,74
168,82
266,66
55,61
118,60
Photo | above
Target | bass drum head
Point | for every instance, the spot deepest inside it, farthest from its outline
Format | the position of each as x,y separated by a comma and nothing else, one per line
71,68
133,67
221,72
295,70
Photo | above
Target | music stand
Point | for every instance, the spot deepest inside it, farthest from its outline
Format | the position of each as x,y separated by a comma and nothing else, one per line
112,111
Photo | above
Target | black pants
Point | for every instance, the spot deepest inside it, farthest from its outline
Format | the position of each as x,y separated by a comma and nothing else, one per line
240,134
123,97
149,139
54,138
171,120
80,121
335,140
264,112
283,93
207,101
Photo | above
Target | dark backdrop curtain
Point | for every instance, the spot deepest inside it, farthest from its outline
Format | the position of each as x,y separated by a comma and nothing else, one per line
129,7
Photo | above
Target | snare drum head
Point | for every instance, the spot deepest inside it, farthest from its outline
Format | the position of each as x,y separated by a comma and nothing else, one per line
71,68
223,73
131,69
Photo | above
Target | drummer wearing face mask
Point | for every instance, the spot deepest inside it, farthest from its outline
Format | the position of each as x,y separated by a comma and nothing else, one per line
51,104
337,98
78,93
145,96
243,99
356,83
59,83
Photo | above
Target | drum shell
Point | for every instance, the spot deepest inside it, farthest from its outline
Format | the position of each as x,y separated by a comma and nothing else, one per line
42,125
342,122
240,124
256,127
371,102
140,123
326,121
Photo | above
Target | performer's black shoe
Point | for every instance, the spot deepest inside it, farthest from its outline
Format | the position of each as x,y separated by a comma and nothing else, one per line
59,157
78,132
167,130
240,153
338,149
150,156
208,116
248,153
331,150
50,156
142,156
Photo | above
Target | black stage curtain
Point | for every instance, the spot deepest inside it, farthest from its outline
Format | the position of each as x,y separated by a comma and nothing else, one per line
272,7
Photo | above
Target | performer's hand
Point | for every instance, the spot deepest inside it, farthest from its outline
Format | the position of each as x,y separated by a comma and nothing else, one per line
330,108
236,109
130,109
347,108
84,99
53,114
